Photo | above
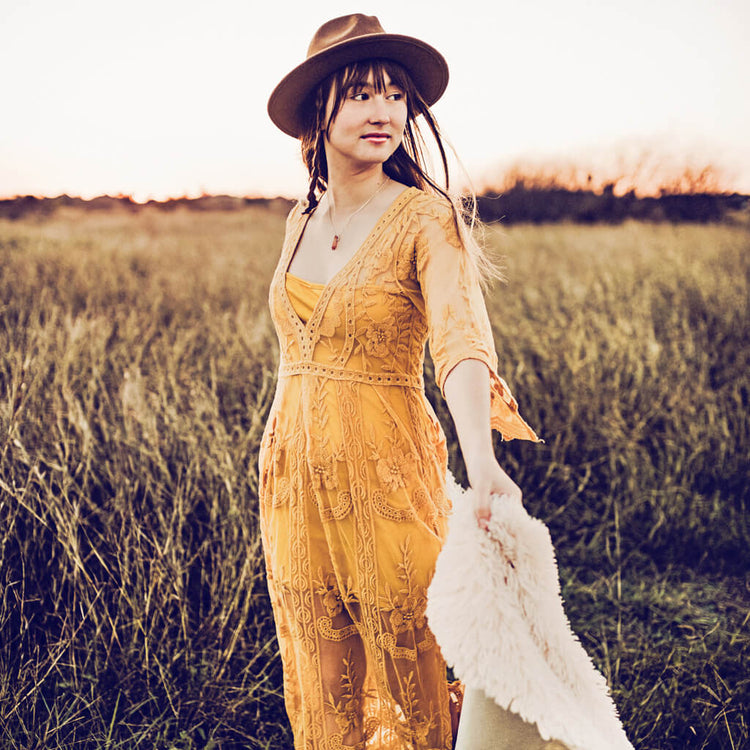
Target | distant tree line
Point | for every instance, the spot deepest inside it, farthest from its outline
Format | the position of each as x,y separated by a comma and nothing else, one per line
543,204
15,208
519,203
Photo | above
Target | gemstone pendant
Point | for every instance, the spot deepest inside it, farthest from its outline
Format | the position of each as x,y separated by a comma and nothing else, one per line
335,242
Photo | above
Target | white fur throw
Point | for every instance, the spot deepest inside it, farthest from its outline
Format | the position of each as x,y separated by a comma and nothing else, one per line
494,606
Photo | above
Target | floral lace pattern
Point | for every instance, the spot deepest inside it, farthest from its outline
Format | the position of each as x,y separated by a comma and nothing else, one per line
352,467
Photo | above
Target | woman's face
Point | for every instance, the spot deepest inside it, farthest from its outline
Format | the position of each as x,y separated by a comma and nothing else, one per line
369,126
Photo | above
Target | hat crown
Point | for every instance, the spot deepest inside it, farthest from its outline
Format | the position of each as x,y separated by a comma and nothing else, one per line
343,29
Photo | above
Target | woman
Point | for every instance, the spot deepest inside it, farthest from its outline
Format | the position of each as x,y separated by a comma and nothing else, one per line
353,459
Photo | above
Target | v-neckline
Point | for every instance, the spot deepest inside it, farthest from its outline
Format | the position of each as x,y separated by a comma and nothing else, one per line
326,289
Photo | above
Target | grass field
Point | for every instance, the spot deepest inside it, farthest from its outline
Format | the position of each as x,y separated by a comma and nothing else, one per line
137,366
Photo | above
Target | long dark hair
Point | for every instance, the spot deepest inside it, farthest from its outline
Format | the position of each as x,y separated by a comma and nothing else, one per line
407,164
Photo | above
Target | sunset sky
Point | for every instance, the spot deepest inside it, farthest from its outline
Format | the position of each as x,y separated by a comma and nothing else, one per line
157,98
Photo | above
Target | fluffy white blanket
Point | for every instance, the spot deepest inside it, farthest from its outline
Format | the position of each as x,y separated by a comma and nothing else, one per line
494,606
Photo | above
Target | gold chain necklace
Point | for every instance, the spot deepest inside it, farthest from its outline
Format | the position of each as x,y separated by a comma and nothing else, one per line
337,235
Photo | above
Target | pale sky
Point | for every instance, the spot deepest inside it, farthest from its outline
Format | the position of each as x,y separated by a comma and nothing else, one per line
168,97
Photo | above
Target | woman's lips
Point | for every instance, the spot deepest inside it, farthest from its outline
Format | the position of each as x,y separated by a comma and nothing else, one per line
376,137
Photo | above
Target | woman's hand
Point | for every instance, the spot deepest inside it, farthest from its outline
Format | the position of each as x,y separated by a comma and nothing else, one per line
488,478
467,392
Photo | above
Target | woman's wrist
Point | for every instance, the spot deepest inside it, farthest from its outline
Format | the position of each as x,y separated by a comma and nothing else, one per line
479,462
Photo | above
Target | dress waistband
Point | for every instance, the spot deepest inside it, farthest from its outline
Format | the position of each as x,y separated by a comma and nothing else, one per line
341,373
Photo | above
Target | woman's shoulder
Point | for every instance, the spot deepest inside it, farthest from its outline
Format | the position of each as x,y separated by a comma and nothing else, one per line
429,202
297,215
435,215
428,212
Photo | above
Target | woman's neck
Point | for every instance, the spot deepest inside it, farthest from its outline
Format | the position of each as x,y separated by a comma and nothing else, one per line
348,191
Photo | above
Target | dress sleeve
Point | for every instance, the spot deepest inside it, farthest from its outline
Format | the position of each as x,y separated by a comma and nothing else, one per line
458,325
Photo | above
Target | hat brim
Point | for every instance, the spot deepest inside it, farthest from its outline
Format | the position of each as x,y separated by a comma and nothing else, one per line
425,64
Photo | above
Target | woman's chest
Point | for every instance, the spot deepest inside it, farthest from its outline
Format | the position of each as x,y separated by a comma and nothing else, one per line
321,254
368,312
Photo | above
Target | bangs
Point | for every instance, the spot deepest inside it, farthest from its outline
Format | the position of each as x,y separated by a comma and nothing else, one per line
358,75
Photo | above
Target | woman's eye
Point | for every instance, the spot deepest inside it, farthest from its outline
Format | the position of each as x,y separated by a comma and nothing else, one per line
396,96
360,96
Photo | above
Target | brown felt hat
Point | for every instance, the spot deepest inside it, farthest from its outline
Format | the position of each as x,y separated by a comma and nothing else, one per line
346,40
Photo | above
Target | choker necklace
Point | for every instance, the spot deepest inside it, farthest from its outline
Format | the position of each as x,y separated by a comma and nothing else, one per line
337,235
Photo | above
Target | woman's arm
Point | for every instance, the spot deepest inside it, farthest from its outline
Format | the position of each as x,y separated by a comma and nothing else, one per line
467,392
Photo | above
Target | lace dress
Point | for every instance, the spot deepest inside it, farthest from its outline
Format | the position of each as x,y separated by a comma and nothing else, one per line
352,465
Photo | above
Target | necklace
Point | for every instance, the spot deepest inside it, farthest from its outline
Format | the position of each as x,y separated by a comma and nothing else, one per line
337,235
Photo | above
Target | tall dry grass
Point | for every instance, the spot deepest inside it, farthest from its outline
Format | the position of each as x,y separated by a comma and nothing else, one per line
137,369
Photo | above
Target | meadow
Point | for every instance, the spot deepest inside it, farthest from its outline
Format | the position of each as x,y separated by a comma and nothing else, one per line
137,367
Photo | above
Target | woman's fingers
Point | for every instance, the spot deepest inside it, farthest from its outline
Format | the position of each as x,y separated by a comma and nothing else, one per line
483,507
483,510
487,478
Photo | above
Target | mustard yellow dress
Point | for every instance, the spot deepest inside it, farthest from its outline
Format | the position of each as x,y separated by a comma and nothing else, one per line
352,466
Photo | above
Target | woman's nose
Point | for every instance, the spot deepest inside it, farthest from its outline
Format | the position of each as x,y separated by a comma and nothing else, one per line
379,111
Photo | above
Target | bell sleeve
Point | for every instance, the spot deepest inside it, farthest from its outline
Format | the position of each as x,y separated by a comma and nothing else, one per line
458,325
